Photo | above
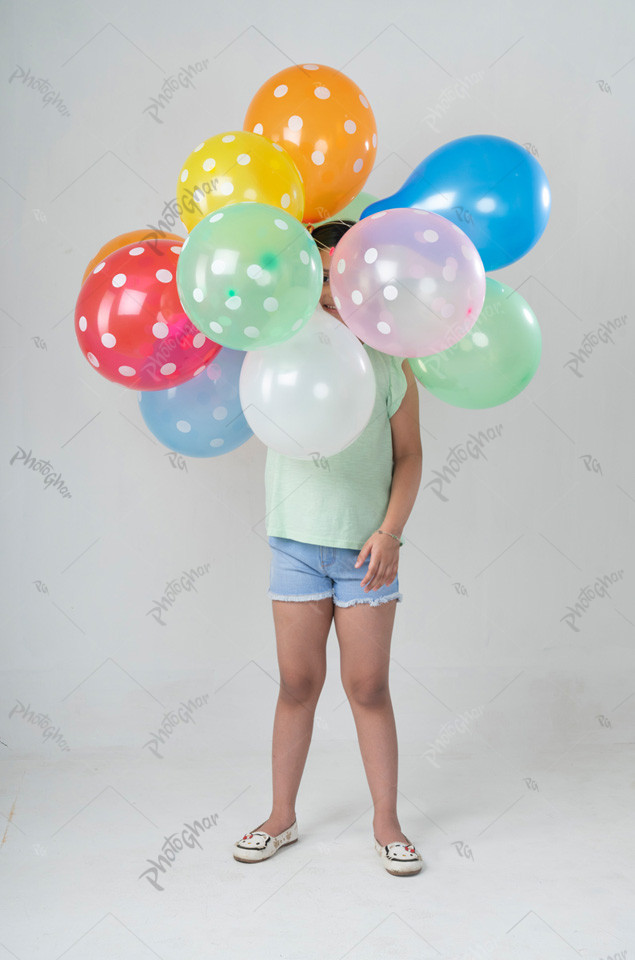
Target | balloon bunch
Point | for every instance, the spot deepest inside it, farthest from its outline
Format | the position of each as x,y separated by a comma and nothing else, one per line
223,334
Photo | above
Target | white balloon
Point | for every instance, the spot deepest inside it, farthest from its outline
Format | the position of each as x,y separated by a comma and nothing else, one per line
313,393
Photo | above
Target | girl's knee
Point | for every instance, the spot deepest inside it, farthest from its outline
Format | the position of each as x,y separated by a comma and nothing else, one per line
301,687
367,691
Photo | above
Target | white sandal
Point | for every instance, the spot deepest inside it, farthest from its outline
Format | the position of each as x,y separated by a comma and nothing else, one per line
258,845
400,859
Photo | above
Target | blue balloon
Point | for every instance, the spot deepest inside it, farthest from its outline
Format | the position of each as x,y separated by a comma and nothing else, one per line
202,417
490,187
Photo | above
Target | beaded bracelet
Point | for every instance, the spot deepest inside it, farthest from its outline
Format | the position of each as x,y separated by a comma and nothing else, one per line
393,536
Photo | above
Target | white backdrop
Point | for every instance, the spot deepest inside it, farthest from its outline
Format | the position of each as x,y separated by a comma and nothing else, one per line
512,659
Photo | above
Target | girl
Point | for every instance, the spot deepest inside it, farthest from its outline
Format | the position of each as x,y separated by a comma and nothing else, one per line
334,527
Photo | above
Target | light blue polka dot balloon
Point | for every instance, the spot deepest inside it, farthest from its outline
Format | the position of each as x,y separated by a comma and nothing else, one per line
202,417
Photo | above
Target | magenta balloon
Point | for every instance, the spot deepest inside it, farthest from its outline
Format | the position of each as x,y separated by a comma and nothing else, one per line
408,282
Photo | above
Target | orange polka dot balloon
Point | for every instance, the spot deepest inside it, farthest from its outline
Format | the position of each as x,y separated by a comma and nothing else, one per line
325,123
133,236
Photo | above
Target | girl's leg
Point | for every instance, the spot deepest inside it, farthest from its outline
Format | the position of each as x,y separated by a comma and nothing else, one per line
364,634
302,629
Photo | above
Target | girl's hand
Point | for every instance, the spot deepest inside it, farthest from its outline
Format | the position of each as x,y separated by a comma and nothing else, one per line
384,561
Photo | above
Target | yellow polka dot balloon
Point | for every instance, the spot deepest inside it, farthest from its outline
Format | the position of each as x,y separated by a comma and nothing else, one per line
324,121
235,167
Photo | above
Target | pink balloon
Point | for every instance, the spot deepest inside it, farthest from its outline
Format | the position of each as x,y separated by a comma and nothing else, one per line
407,282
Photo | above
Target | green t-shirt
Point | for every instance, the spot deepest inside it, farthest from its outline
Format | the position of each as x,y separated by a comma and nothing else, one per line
339,500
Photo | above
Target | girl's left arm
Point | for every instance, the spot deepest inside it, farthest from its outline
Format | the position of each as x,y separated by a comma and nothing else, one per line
407,456
406,477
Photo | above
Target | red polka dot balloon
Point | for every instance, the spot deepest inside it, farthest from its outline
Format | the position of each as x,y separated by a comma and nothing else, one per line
131,325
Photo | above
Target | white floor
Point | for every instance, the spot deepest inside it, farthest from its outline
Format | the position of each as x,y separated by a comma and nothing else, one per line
537,867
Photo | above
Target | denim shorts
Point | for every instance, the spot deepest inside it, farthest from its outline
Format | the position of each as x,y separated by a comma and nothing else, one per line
307,571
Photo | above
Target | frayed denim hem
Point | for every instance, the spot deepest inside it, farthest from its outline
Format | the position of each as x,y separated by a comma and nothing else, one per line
305,596
373,602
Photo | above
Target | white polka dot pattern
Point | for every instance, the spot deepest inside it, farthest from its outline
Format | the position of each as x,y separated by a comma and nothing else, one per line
130,322
297,106
242,166
406,281
254,297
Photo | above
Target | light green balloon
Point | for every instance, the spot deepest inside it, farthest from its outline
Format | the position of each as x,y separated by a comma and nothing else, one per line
353,210
492,363
249,275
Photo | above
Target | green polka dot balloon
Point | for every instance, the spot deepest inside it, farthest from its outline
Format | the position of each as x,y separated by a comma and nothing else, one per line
249,275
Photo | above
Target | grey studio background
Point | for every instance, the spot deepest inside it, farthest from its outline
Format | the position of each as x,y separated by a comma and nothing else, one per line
512,659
